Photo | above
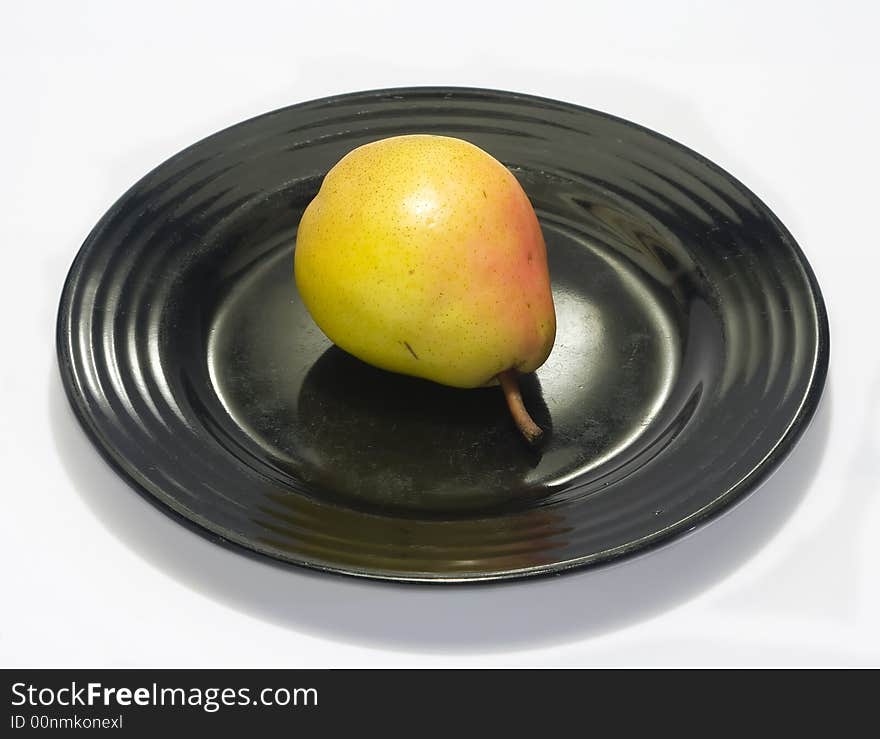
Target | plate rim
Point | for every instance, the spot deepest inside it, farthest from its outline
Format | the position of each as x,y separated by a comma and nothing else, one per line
723,503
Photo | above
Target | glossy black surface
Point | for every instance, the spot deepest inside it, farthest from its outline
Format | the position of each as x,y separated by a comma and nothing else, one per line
691,351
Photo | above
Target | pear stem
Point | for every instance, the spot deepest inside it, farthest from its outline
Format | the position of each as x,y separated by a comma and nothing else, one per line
510,385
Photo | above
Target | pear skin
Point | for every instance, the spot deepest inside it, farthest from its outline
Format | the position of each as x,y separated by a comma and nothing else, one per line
422,255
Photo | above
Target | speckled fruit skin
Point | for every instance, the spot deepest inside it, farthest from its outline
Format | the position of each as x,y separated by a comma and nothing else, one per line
422,255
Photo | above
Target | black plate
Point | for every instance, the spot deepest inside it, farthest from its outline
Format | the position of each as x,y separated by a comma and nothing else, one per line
691,352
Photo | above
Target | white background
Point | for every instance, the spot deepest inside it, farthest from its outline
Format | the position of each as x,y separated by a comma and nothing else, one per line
783,95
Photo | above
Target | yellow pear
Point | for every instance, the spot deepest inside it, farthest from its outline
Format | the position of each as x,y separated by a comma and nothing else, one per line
422,255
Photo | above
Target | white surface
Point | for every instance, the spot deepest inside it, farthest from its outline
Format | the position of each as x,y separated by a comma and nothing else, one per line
783,95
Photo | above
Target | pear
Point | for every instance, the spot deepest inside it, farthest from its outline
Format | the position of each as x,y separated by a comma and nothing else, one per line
422,255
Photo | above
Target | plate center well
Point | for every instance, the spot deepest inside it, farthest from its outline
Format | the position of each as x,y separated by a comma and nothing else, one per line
378,441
